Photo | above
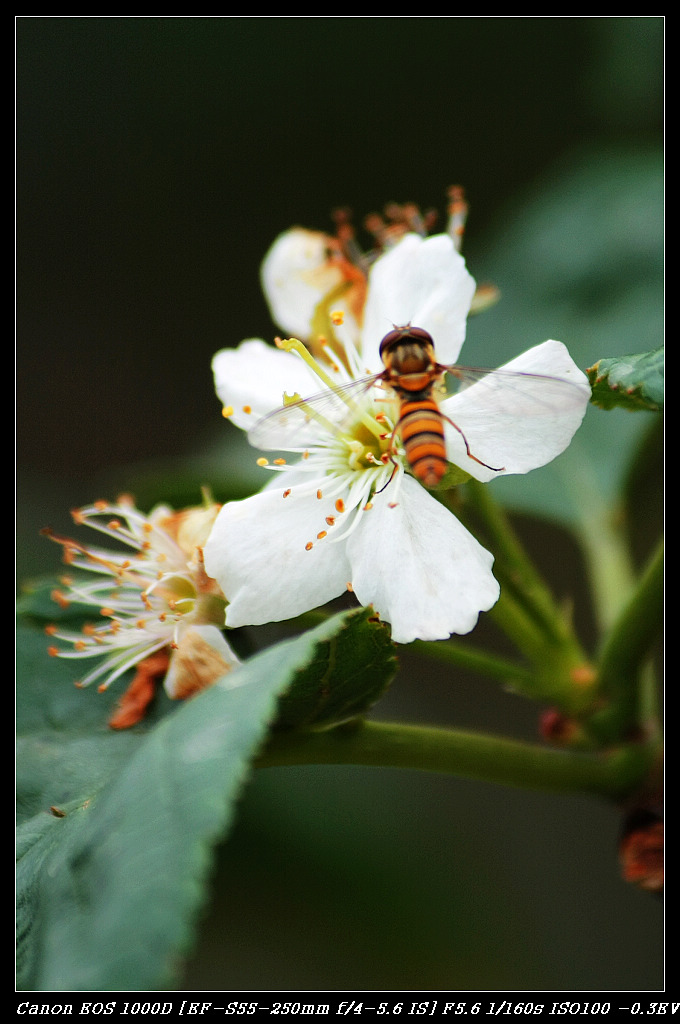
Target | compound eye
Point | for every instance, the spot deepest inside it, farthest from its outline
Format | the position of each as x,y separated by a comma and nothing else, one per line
418,334
391,339
405,333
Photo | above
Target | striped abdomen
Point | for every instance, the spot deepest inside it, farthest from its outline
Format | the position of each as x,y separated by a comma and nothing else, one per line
422,432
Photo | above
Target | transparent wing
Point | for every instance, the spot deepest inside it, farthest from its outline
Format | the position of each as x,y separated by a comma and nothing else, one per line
511,392
302,422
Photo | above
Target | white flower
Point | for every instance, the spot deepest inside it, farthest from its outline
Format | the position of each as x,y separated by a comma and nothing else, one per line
346,513
158,609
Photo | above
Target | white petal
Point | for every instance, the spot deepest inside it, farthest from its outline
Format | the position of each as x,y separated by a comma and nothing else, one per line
518,423
297,274
255,376
419,567
424,282
256,552
202,656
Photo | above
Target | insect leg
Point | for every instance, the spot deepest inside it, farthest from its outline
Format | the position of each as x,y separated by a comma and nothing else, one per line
392,460
494,469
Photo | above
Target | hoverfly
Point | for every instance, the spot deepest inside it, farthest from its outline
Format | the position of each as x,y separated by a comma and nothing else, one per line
418,382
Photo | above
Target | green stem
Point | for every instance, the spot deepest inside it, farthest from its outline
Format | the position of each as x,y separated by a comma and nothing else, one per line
471,755
518,571
528,614
512,617
453,652
625,650
599,528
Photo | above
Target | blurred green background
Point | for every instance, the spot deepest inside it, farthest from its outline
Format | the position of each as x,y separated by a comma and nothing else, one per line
157,159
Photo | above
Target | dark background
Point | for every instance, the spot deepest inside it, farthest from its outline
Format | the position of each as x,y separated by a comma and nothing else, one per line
157,159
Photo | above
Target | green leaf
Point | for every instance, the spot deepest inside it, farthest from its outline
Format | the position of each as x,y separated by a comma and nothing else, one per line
629,382
108,892
346,678
65,750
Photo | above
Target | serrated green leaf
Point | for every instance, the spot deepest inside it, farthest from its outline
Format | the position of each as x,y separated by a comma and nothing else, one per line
108,892
629,382
349,674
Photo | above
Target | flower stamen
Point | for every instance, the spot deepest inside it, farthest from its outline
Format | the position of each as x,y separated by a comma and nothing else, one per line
166,577
296,346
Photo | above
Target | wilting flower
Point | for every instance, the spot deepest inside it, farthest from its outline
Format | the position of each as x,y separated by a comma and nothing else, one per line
158,611
347,513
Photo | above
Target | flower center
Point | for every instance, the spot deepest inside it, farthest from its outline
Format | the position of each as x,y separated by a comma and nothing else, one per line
361,437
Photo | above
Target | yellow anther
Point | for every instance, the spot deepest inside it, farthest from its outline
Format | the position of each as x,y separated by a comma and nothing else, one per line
288,344
228,411
293,345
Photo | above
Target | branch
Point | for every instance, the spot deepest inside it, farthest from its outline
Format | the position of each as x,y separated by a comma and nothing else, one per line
471,755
